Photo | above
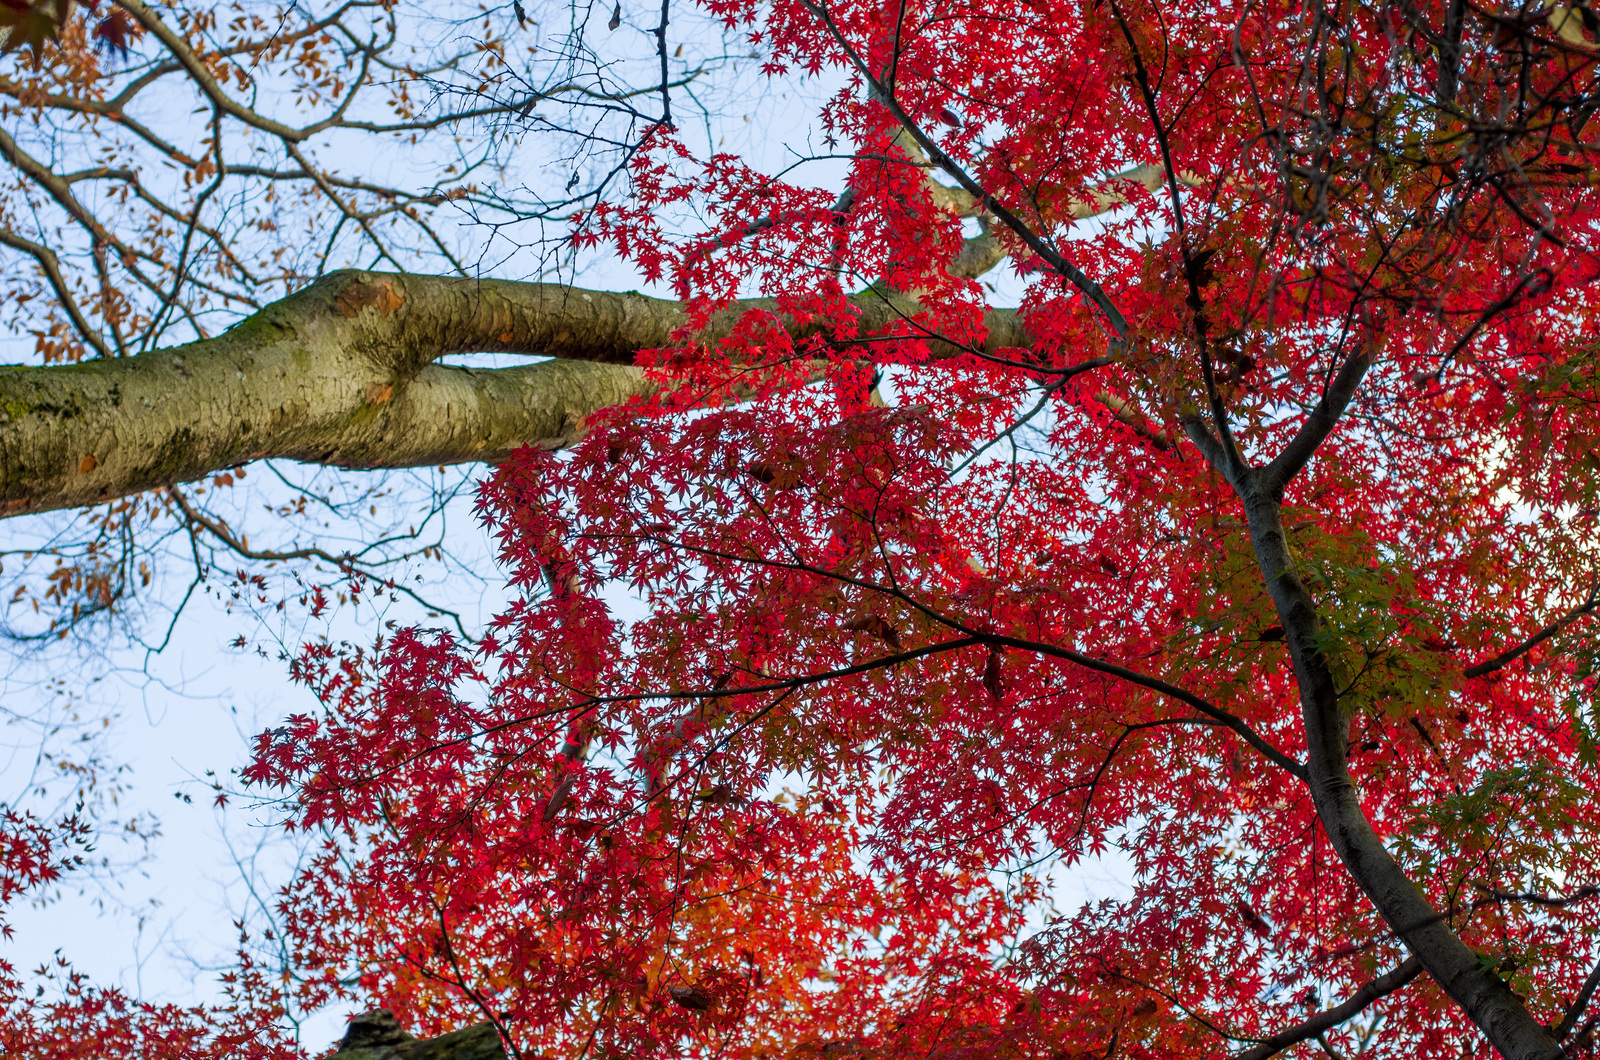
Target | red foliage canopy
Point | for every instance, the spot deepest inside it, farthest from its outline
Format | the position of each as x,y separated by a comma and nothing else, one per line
1265,563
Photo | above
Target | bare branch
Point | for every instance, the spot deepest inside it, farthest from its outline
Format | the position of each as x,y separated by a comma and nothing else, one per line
1511,655
1579,1003
1330,1018
51,267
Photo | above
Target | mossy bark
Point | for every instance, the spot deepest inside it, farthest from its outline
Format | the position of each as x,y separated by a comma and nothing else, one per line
342,373
377,1036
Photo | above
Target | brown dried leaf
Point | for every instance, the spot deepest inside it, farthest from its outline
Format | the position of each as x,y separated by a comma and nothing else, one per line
690,997
777,475
1251,918
992,680
878,627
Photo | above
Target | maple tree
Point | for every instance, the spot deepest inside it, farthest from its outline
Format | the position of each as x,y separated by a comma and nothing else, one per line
1257,544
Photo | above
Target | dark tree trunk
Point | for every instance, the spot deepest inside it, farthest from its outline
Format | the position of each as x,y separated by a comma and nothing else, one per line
377,1036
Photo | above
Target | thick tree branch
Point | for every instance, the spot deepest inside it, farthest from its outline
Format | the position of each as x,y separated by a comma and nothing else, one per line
340,373
1330,407
1130,415
1330,1018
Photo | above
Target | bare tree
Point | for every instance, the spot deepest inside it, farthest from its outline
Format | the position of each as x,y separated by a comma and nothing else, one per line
182,185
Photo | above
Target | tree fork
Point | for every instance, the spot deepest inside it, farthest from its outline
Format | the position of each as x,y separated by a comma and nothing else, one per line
1459,970
341,373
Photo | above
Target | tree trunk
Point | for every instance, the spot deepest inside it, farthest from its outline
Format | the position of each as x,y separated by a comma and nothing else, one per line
377,1036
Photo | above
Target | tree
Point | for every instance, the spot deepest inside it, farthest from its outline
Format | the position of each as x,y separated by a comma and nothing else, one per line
1257,543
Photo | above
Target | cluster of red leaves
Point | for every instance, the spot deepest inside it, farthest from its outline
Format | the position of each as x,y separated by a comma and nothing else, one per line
798,696
833,617
57,1014
800,701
